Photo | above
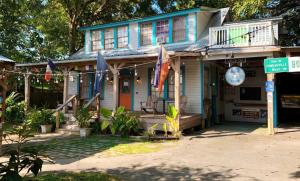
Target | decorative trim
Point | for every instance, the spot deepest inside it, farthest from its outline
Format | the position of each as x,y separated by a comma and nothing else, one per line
102,39
115,37
153,33
91,42
128,36
195,26
170,30
85,43
183,80
139,35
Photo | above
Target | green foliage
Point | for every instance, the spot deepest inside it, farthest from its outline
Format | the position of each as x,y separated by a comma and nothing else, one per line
20,158
40,116
172,121
151,131
83,116
120,122
15,108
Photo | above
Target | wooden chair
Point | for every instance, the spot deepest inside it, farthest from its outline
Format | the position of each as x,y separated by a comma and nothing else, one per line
150,104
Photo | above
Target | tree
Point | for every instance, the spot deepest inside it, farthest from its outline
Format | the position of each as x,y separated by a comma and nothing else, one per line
290,11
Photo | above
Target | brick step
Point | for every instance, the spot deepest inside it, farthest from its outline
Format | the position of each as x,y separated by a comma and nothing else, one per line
68,131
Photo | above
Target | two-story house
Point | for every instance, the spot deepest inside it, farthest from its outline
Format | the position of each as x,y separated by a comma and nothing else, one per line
202,46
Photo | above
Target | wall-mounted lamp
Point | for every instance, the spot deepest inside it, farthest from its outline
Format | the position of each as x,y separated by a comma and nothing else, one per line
138,80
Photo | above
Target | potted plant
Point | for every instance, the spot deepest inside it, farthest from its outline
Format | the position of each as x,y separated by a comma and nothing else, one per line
82,117
46,120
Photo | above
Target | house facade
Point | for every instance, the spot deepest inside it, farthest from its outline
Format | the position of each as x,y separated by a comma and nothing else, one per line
202,46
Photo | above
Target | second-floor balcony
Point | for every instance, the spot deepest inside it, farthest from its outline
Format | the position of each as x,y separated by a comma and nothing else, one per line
244,35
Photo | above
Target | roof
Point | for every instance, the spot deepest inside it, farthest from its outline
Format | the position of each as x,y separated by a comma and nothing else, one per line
277,18
149,18
4,59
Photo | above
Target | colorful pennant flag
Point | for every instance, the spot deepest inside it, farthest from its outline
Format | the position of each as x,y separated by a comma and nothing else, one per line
161,69
50,68
100,73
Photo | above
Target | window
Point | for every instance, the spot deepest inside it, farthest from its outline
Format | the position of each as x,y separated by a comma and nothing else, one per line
96,40
146,33
162,31
179,29
250,93
171,85
109,38
122,37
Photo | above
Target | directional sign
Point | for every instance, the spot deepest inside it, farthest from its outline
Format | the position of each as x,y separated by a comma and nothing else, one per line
282,64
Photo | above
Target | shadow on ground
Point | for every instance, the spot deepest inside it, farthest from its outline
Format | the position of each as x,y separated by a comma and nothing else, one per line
295,175
174,172
228,129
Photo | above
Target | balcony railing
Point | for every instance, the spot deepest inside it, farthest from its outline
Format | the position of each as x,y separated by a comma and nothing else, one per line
242,35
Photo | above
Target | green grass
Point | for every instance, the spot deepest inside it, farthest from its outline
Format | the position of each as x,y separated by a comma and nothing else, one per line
72,176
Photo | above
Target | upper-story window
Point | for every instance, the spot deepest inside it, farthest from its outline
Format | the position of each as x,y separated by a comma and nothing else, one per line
109,38
96,40
146,33
179,29
162,31
122,37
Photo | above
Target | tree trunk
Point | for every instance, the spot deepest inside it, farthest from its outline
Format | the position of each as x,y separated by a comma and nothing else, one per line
72,36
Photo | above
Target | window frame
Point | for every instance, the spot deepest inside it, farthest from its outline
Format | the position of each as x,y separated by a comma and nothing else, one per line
126,36
166,33
113,38
99,40
148,34
184,30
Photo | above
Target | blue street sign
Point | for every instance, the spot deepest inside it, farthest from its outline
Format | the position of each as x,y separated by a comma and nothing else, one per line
269,86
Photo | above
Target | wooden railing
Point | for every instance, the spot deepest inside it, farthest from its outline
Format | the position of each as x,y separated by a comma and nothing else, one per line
74,101
241,35
97,99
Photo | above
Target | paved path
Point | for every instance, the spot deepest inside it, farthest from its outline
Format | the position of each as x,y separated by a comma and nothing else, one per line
217,154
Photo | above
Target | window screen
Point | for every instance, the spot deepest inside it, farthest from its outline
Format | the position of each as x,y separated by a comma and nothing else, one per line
122,37
146,34
95,40
179,29
109,38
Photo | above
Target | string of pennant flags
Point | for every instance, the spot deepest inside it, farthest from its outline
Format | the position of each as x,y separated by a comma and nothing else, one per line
51,66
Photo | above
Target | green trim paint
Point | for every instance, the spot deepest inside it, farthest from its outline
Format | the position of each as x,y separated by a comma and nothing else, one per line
115,38
170,30
154,33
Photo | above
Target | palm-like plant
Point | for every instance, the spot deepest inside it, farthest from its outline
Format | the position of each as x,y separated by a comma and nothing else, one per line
172,122
83,116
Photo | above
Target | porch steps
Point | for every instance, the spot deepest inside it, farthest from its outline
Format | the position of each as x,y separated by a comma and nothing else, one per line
70,127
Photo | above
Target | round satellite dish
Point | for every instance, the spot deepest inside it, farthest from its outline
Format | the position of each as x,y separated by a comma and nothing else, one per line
235,76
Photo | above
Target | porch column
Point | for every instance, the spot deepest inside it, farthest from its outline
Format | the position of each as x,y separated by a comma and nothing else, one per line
66,88
116,87
27,91
270,77
176,68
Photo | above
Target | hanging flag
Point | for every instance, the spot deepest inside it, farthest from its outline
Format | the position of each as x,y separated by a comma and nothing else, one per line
50,68
161,69
100,73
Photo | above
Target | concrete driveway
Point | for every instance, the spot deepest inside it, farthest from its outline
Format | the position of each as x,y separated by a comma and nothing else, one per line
225,152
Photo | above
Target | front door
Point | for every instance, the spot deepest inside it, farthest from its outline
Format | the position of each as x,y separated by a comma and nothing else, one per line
125,92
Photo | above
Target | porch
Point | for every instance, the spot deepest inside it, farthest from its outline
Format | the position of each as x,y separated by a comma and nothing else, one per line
186,120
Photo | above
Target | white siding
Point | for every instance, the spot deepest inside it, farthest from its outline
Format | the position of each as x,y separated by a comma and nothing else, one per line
133,35
203,19
192,81
108,96
73,79
192,23
141,90
87,47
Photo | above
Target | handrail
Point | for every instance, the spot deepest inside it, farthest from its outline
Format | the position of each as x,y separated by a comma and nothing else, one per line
57,110
92,100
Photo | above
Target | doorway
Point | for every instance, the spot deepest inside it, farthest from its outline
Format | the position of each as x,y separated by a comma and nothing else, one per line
125,92
288,98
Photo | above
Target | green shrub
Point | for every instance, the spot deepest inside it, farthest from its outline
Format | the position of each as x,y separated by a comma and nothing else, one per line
171,119
120,122
15,108
83,116
40,116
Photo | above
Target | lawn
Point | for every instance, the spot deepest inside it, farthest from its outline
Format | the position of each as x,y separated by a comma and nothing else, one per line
72,176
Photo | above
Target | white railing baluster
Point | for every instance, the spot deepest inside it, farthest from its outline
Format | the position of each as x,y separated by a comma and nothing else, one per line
232,35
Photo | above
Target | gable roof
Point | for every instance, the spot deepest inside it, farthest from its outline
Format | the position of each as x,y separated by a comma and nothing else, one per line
4,59
149,18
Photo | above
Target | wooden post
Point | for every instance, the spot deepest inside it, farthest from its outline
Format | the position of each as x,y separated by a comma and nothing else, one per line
177,86
270,77
57,119
66,86
75,102
27,91
116,87
98,107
